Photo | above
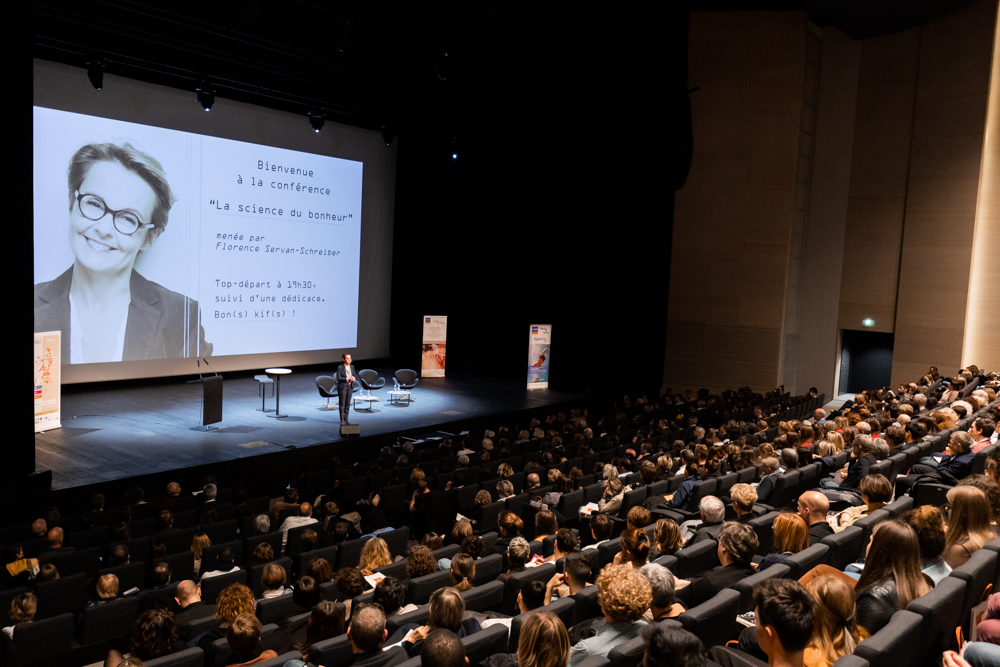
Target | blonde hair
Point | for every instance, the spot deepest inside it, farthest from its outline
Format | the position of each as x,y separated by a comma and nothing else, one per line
198,544
835,626
667,535
743,495
623,593
544,642
234,600
23,608
107,587
374,554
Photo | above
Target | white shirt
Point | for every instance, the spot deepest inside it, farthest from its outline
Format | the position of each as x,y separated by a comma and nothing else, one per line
76,337
293,522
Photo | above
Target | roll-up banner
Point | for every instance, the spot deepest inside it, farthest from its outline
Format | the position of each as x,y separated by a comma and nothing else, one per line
435,344
48,346
539,344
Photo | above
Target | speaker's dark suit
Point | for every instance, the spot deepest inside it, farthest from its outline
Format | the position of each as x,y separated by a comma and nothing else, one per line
344,390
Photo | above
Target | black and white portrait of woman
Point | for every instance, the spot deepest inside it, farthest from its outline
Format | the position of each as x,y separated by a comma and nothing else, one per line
119,202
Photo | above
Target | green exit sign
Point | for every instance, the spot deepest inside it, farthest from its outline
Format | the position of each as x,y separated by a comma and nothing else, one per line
868,322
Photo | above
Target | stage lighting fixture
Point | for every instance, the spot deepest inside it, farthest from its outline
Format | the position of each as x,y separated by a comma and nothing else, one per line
206,95
95,72
316,120
454,148
388,134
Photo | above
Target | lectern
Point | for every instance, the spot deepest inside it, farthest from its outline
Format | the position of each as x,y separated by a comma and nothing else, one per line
211,404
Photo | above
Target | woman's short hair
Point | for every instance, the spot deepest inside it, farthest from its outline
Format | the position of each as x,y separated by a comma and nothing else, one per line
544,642
613,486
273,577
232,601
141,164
483,497
243,634
445,609
740,541
473,546
639,517
107,587
23,608
320,570
505,488
876,488
420,561
744,496
661,583
518,552
262,524
623,593
264,553
601,526
155,633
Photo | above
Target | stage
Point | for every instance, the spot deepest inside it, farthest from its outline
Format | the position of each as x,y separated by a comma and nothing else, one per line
114,431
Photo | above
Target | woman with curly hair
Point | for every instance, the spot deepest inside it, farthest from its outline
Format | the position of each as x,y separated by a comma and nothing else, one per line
234,600
351,583
374,555
320,570
155,635
420,562
624,595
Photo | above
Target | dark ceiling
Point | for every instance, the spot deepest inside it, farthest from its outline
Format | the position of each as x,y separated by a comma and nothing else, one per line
382,62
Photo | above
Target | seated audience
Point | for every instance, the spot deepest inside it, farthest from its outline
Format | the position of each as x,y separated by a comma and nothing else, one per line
351,583
737,546
624,595
232,601
307,593
374,554
666,538
784,620
769,472
366,634
928,523
107,590
22,610
198,544
443,648
154,635
544,642
835,628
227,564
320,570
791,535
545,525
668,646
325,622
876,491
891,578
813,507
243,637
744,498
573,579
635,548
444,611
518,553
420,562
18,570
463,569
273,581
663,586
600,530
531,596
390,594
968,524
264,553
711,512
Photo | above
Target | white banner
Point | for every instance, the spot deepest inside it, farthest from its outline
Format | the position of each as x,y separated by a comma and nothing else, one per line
435,346
47,380
539,346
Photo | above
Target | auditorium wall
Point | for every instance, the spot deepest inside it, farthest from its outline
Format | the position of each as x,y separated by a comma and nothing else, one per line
759,292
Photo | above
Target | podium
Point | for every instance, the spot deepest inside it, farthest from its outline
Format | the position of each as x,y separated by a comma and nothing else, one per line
211,404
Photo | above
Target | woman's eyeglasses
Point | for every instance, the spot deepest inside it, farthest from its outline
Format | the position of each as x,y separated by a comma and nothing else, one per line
93,208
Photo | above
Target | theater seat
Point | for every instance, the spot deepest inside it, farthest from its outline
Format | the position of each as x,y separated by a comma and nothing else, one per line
211,587
487,597
192,657
561,607
488,569
44,639
900,642
696,558
108,621
714,622
844,547
419,590
745,586
483,644
806,560
519,579
941,610
978,573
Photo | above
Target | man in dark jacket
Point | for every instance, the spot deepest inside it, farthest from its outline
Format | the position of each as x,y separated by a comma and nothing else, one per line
955,465
861,462
737,546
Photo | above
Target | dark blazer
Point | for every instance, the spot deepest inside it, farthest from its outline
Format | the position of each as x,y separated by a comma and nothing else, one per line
344,371
857,469
157,320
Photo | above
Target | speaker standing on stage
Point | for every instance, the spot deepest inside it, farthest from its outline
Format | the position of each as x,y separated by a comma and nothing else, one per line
345,378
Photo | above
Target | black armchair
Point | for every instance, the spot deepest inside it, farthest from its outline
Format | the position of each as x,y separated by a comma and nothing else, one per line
370,380
327,386
406,378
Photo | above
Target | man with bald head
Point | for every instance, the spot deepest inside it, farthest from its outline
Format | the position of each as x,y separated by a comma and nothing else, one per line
304,518
55,546
39,528
173,490
192,608
813,507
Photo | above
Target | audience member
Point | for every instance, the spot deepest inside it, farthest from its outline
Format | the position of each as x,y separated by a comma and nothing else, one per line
663,586
791,535
624,595
968,524
366,634
891,578
737,546
813,508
